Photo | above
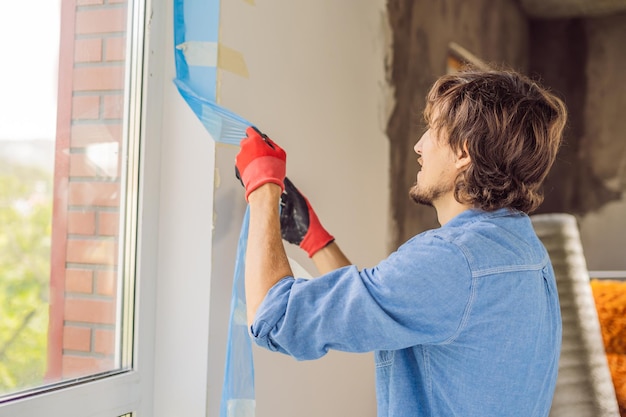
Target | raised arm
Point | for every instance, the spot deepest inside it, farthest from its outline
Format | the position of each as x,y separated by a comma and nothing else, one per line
266,261
301,226
330,258
260,165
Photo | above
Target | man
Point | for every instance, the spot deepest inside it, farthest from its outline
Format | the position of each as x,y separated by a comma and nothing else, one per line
464,320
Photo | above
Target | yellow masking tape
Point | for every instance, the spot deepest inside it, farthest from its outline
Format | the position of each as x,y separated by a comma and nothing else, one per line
211,54
230,60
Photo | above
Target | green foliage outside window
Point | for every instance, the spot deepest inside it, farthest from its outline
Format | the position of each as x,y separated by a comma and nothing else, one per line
25,230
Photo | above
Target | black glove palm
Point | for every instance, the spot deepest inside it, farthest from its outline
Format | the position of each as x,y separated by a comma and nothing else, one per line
299,223
294,214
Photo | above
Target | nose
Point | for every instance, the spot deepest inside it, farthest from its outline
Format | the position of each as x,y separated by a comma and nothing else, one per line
418,146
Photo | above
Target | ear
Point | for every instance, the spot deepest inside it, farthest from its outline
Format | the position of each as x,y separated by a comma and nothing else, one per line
463,159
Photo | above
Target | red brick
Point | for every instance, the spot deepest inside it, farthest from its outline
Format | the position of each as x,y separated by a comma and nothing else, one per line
113,106
79,281
104,342
75,366
94,194
81,222
115,49
90,311
101,21
77,338
98,252
108,223
83,135
88,2
106,282
88,50
98,78
81,166
85,107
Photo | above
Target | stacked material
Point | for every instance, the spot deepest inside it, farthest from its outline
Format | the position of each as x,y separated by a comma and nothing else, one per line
610,298
584,387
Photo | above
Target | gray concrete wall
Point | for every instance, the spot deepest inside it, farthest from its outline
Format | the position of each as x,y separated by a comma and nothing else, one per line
495,31
603,231
583,59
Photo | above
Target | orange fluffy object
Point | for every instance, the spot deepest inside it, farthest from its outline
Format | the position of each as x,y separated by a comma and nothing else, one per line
610,298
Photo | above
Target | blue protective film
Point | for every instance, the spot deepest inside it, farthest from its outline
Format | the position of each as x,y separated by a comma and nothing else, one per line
197,22
223,125
238,390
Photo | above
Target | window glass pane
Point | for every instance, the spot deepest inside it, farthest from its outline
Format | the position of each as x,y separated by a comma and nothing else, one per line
63,135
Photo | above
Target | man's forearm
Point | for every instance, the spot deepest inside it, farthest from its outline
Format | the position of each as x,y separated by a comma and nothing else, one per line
266,261
330,258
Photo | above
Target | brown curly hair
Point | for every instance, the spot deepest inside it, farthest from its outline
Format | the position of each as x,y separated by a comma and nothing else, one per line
510,126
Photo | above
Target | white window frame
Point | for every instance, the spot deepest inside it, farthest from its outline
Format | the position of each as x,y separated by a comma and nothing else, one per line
167,378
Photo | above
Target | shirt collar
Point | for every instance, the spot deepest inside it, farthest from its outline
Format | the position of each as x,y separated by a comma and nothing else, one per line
473,215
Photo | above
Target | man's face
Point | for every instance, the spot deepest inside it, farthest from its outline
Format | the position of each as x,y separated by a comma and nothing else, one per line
435,181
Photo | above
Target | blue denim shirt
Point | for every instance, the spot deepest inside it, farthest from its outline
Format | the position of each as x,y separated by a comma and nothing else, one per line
464,320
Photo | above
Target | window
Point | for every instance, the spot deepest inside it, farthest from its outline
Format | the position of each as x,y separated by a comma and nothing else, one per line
88,251
25,195
171,356
69,141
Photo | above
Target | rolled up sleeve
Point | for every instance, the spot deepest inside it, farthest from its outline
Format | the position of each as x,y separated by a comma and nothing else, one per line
417,295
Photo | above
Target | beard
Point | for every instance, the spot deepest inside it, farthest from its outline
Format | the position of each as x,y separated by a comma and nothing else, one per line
426,196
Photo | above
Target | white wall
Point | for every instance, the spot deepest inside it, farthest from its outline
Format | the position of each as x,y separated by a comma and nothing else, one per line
316,85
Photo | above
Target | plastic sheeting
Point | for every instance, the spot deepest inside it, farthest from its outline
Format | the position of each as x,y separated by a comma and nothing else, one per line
196,42
238,398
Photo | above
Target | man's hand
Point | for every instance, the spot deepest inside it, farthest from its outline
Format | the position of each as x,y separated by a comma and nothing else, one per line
299,223
260,161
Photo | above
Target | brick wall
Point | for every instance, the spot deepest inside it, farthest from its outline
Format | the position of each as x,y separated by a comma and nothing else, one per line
87,188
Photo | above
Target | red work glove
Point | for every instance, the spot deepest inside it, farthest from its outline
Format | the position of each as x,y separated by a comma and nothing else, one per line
299,223
260,161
